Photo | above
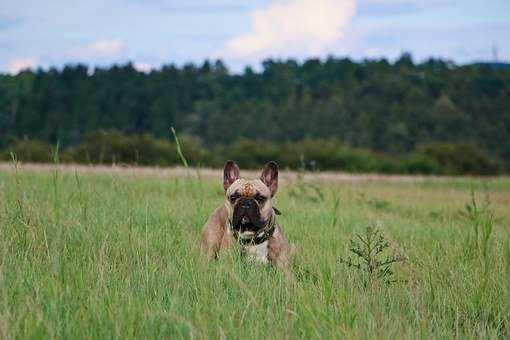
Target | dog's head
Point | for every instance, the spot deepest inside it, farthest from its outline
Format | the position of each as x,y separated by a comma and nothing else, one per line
249,201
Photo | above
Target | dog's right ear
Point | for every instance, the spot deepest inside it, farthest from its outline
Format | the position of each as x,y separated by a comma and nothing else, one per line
230,174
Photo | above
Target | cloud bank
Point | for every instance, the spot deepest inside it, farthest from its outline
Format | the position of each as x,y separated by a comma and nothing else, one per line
106,47
102,48
16,65
142,67
293,27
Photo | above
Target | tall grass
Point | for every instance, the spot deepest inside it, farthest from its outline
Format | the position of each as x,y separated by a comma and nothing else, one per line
122,262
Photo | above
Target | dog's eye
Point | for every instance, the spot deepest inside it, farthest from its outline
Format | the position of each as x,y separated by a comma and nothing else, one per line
233,198
260,199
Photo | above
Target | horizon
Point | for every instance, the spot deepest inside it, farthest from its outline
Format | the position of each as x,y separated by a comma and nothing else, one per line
91,69
157,33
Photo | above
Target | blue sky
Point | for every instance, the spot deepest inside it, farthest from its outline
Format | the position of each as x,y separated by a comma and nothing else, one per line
155,32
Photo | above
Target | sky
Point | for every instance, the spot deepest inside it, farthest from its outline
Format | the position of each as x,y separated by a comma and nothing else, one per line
151,33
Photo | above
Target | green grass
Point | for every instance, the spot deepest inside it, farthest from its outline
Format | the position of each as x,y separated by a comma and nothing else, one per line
95,256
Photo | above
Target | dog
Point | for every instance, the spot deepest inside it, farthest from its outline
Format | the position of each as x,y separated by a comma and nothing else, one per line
247,218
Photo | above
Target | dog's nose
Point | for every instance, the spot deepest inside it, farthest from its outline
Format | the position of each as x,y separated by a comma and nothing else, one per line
245,204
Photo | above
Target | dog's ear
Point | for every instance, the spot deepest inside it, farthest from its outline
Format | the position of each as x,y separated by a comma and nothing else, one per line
230,174
270,176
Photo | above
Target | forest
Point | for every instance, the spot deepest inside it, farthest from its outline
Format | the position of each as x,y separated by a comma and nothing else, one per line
334,113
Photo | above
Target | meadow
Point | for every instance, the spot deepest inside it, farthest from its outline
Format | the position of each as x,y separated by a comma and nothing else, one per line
114,255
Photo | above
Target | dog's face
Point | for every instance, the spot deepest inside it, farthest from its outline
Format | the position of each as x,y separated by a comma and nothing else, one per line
249,201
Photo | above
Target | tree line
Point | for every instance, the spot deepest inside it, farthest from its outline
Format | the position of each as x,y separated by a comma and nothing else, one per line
435,110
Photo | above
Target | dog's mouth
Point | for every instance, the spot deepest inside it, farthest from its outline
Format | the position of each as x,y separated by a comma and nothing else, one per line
247,224
244,224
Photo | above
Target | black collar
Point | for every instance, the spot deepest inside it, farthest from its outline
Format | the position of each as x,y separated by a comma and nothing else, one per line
254,241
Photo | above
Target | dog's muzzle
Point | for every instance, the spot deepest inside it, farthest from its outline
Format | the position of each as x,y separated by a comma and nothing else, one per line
253,237
246,216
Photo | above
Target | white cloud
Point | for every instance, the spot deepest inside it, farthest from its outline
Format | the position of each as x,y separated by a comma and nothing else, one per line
142,67
16,65
384,52
390,2
106,48
100,49
293,27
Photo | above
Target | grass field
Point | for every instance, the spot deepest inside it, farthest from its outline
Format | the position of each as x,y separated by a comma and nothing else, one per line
86,255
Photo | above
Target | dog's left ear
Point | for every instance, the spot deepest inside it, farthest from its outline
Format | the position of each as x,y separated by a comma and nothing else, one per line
270,176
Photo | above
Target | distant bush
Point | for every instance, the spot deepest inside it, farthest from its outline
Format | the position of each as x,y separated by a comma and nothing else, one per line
248,153
460,158
107,147
116,147
310,154
356,160
27,150
333,155
195,153
307,154
417,163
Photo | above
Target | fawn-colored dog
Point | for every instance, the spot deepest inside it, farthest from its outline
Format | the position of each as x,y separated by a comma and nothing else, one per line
247,218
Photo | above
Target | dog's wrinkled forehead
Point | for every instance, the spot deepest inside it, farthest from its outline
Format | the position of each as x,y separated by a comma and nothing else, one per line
248,188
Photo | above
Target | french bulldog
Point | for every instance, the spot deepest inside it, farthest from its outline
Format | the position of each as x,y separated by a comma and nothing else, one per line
247,219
